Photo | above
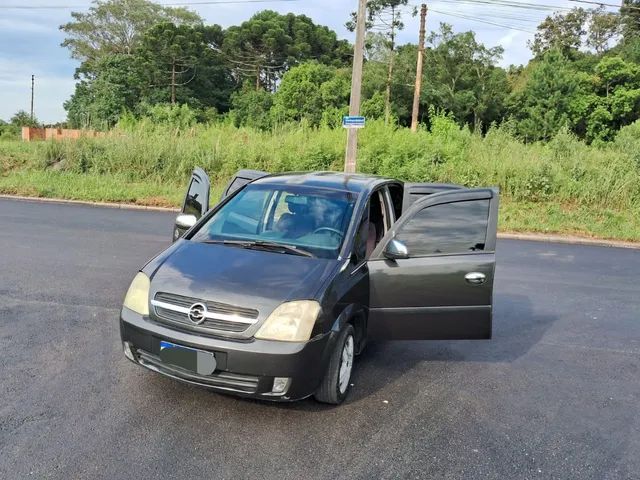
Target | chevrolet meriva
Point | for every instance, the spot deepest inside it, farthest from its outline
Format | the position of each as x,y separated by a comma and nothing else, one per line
274,291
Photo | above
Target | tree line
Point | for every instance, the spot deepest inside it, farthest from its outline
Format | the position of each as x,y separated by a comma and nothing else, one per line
139,57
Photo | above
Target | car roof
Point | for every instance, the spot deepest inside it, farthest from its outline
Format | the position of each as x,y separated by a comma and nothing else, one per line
356,183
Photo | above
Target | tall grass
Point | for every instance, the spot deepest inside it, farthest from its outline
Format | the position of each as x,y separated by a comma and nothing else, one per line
565,173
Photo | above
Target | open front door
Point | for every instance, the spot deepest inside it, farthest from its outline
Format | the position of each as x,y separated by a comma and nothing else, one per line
431,276
196,203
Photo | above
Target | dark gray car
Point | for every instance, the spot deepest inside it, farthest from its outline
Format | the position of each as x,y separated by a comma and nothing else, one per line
273,292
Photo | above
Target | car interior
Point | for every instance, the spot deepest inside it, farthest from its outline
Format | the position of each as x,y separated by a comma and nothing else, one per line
307,220
379,223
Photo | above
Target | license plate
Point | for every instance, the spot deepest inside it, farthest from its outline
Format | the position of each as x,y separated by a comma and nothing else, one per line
202,363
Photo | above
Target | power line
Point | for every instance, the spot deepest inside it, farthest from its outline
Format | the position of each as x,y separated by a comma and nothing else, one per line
475,19
509,4
630,7
174,4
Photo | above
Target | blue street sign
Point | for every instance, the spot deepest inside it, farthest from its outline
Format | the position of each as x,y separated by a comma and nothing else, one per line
353,122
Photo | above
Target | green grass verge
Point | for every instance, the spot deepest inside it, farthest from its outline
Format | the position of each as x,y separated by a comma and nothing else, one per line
514,216
93,188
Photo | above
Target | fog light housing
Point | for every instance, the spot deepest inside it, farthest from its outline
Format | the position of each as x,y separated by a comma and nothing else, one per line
128,352
280,385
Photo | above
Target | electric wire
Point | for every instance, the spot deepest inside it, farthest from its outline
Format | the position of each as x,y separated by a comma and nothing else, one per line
171,4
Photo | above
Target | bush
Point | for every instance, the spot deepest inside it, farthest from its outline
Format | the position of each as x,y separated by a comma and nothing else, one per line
565,171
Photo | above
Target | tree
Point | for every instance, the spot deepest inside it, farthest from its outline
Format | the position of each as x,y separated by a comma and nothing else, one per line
106,40
603,27
22,119
116,27
100,98
169,54
263,48
183,64
560,31
461,77
385,17
544,106
630,19
617,87
251,107
313,92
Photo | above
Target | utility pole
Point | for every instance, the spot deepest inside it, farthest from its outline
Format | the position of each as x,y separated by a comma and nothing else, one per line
173,82
356,87
33,81
418,90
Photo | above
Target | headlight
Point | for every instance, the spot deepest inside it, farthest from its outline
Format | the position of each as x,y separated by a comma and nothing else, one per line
290,322
137,298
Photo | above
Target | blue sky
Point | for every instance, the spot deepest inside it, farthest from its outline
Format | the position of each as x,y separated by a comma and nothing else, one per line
30,39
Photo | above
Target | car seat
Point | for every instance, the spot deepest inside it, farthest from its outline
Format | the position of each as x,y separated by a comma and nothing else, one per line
297,222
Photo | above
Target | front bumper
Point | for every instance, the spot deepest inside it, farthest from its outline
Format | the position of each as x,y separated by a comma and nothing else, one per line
243,368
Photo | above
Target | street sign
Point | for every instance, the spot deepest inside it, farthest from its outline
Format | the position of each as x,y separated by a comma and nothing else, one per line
353,122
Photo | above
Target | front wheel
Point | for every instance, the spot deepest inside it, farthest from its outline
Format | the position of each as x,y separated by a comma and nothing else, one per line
337,381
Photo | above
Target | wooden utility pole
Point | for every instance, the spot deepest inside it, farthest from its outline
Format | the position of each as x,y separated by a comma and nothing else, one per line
418,90
392,53
173,82
356,87
33,81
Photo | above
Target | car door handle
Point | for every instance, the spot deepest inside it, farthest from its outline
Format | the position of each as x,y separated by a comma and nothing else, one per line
475,278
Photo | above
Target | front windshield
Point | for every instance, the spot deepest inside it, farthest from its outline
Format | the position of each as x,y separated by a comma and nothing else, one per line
312,219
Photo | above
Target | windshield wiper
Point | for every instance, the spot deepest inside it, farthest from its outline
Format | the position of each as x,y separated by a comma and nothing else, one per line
233,243
279,247
262,245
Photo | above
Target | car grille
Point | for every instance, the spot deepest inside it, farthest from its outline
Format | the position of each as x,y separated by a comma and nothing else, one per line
222,380
174,309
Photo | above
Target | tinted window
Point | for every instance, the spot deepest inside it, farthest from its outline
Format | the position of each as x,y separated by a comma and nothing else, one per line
312,219
196,195
252,205
448,228
237,183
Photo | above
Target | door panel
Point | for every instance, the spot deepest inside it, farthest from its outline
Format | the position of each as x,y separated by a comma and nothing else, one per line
240,179
196,201
444,289
429,298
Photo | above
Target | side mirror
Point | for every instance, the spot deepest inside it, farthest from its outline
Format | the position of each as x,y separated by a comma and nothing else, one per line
185,222
396,250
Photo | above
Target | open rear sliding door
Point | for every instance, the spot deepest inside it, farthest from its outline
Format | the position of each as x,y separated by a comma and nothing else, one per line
444,289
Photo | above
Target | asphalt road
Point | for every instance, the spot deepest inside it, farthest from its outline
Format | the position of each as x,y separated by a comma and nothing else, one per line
555,394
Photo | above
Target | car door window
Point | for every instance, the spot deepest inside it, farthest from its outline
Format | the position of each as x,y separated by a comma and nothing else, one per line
395,200
445,229
414,192
196,196
375,224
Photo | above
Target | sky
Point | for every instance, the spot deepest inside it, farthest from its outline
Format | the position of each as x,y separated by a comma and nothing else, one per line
30,38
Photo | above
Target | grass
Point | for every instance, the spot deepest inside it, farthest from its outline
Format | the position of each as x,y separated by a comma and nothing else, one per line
564,187
90,187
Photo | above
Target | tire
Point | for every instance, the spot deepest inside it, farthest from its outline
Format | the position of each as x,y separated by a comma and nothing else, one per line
335,386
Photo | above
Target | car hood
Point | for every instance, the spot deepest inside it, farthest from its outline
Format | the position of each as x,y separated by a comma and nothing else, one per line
240,277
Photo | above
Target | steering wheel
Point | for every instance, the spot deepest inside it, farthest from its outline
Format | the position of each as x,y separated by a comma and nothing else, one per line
330,230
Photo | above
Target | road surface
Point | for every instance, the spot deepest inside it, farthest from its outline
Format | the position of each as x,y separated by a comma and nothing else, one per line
555,394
